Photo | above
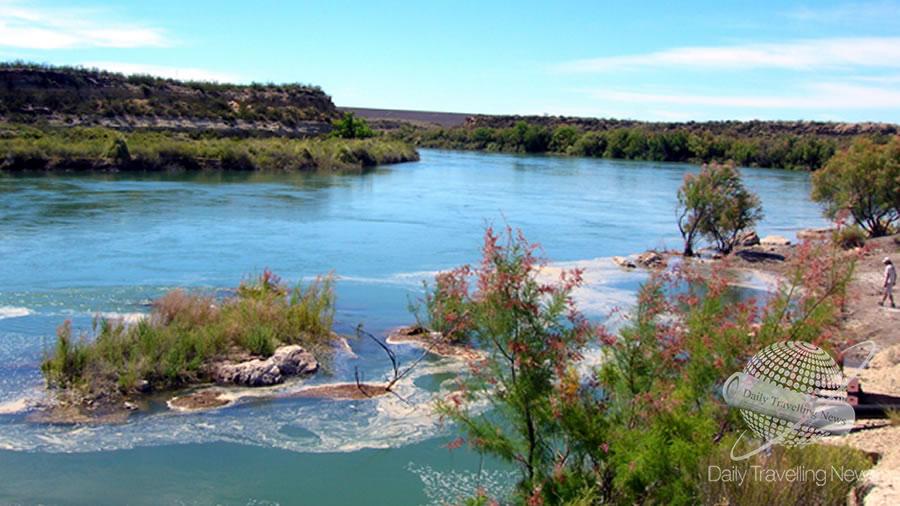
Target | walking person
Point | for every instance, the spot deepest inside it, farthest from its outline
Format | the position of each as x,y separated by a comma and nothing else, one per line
890,279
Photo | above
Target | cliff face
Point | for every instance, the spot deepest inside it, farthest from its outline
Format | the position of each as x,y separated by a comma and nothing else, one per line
736,128
78,96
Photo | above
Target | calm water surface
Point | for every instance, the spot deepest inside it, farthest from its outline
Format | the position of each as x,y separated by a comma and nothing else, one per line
75,246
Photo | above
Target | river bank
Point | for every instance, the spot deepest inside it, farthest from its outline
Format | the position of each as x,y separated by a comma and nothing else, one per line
25,148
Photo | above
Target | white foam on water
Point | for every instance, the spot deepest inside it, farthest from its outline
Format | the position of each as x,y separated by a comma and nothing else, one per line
14,406
403,279
323,425
453,487
14,312
598,295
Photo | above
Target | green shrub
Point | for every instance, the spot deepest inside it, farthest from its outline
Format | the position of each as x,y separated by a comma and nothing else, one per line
850,237
260,340
350,127
640,427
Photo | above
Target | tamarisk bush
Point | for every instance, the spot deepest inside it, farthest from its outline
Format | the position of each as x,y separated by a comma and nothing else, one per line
640,427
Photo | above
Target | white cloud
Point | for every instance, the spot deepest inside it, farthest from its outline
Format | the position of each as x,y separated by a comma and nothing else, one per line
182,73
822,96
62,28
802,54
855,12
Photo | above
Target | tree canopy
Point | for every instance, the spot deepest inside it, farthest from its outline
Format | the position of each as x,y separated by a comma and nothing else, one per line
716,205
863,180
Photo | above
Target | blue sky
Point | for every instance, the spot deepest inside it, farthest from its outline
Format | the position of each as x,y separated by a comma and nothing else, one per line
670,61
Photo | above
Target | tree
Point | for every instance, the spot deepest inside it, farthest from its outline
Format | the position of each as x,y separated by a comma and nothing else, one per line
563,137
350,127
864,180
715,204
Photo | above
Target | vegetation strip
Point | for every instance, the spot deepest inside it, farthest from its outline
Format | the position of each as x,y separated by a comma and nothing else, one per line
30,148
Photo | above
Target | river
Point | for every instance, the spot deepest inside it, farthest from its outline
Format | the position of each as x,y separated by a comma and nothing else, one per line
72,246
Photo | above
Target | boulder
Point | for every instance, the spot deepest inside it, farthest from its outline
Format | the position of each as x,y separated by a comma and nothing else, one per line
748,238
651,260
624,262
287,361
294,359
775,240
754,256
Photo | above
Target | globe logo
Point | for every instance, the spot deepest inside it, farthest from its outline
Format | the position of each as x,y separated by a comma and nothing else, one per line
792,393
802,368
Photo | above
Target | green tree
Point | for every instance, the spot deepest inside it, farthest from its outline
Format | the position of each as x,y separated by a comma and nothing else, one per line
715,204
350,127
863,180
563,137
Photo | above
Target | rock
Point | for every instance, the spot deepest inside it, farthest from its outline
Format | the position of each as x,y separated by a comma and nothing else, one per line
775,240
754,256
624,262
205,399
294,359
651,260
254,373
130,406
814,233
748,238
287,361
412,330
143,386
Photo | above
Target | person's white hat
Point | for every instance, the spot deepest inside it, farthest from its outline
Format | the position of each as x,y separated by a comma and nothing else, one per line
886,260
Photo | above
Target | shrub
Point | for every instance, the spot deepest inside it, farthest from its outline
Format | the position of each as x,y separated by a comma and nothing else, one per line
850,237
640,427
350,127
533,336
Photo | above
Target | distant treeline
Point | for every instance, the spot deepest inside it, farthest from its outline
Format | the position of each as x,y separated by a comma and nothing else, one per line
31,92
801,151
789,151
30,148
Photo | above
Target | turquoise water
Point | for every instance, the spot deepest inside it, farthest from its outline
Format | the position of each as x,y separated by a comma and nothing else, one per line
74,246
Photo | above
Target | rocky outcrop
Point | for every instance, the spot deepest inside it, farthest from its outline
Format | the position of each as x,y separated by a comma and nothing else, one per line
73,96
651,260
755,256
624,262
748,238
775,240
287,361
